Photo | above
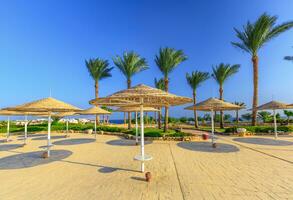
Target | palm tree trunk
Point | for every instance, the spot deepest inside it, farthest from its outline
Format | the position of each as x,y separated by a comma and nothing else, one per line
194,111
97,96
166,108
221,112
129,113
237,117
255,89
159,118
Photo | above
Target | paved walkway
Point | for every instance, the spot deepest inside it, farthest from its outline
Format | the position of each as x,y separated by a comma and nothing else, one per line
82,168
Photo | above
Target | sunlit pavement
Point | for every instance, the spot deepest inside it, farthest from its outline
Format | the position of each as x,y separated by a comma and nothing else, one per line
82,168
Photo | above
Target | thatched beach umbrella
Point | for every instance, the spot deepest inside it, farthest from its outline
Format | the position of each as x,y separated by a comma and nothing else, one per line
135,109
15,113
213,104
63,115
95,110
48,105
141,95
274,105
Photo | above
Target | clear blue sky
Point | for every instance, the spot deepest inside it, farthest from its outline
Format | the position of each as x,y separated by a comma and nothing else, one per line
44,44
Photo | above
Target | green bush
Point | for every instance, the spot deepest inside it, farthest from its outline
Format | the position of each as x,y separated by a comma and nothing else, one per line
260,129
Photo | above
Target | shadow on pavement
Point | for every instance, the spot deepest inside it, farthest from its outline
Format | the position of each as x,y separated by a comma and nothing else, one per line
263,141
75,141
31,159
122,142
207,147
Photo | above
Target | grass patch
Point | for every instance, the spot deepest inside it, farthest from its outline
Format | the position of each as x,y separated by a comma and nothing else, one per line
154,132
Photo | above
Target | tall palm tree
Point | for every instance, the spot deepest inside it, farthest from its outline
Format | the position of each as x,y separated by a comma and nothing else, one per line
194,80
159,84
221,73
167,60
242,104
99,69
130,63
252,39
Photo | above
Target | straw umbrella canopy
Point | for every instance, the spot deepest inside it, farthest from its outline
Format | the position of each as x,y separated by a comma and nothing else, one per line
141,95
95,110
213,104
48,105
135,109
274,105
65,114
8,113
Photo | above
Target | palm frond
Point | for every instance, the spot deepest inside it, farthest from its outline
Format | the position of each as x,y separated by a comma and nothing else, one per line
98,68
196,78
223,71
130,64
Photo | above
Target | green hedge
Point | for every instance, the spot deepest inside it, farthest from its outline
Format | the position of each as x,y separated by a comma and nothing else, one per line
154,132
260,129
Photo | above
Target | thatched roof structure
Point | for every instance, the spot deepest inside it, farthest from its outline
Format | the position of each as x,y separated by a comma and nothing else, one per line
95,110
214,104
15,113
135,109
64,114
142,94
45,105
273,105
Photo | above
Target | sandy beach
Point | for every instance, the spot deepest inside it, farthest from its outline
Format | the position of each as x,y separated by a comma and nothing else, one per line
83,168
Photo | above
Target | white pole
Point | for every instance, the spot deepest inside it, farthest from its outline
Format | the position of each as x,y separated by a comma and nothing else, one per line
212,121
49,135
96,127
8,128
136,129
67,126
25,128
275,125
142,135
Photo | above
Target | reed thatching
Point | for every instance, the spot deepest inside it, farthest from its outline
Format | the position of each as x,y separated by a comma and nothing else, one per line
64,114
213,104
273,105
142,94
45,105
135,109
95,110
15,113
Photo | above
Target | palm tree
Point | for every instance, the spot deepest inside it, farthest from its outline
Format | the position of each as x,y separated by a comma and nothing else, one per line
194,80
159,84
241,104
288,114
247,116
221,73
167,60
264,116
99,69
130,64
252,39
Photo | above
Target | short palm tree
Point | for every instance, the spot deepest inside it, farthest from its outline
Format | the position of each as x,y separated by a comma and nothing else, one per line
194,80
221,73
253,37
159,84
288,114
242,104
264,116
167,60
99,69
130,63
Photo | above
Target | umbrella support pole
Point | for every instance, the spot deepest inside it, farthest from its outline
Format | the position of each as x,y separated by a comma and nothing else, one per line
25,130
8,129
212,122
275,125
66,127
136,129
49,136
96,126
